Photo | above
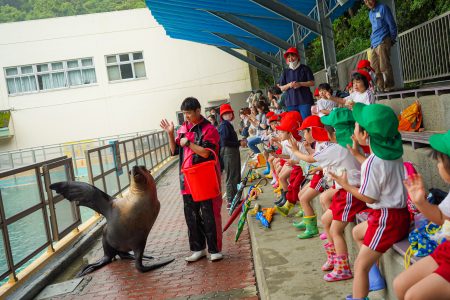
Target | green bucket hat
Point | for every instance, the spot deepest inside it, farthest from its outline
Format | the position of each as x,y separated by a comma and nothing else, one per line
381,122
441,142
344,125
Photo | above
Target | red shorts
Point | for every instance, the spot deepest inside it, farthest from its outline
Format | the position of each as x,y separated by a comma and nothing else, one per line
345,207
295,180
316,182
441,256
282,161
386,226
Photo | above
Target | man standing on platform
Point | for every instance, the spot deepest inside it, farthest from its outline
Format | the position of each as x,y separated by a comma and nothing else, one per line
384,36
193,142
296,81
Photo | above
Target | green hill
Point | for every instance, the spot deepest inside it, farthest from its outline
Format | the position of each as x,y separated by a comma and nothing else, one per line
21,10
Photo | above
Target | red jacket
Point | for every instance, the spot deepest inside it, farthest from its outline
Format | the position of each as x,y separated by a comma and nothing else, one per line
203,134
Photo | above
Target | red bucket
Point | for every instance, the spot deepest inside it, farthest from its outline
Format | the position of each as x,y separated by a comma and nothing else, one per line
202,179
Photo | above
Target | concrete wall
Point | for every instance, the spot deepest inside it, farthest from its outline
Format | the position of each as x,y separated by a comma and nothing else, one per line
175,69
436,117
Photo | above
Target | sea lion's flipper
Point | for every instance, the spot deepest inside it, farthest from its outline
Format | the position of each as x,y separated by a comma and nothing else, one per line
83,193
92,267
127,255
145,268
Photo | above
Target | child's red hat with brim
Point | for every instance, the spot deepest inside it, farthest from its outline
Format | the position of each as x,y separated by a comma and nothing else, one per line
311,121
226,108
319,134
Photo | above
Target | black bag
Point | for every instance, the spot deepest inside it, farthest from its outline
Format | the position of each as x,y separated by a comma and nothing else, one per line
436,196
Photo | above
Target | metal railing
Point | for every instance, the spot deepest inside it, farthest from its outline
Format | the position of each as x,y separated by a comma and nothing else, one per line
108,168
76,150
424,51
31,217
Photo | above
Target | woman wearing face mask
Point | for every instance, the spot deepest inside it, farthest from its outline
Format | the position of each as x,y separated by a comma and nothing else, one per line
229,151
295,81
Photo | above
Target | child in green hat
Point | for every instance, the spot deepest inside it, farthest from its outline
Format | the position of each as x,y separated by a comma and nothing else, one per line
381,187
337,158
429,278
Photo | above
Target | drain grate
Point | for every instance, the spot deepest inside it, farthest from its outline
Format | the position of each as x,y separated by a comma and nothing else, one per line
58,289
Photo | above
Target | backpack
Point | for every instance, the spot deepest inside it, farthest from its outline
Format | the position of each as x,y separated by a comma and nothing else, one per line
410,119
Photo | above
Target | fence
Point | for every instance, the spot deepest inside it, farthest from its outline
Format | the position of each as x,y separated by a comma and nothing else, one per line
424,52
76,150
33,218
108,170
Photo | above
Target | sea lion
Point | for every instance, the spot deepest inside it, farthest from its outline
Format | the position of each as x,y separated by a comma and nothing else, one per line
129,219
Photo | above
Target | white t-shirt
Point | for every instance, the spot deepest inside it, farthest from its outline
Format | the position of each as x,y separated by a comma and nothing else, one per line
320,146
444,206
325,104
382,180
367,97
335,157
287,149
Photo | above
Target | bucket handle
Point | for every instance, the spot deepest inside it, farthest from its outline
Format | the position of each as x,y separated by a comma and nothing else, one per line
190,155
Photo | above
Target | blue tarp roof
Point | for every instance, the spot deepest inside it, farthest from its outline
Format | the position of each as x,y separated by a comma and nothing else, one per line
190,20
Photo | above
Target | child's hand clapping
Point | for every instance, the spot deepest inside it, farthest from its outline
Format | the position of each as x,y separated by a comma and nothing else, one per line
341,180
308,146
416,189
293,143
354,149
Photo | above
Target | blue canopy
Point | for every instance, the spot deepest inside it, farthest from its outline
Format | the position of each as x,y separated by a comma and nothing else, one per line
190,20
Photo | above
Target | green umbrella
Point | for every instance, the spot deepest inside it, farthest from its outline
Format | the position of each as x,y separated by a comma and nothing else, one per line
242,218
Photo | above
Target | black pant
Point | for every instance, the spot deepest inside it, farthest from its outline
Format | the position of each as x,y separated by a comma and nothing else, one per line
232,166
201,224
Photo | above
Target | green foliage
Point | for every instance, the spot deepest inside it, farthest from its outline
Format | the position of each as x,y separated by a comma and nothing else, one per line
20,10
352,30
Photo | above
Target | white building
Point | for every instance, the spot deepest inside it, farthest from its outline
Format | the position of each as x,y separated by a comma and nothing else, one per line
74,78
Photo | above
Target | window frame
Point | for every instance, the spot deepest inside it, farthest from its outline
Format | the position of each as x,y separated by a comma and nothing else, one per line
35,73
131,61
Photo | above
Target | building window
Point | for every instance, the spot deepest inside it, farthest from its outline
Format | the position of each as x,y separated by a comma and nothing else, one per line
50,76
126,66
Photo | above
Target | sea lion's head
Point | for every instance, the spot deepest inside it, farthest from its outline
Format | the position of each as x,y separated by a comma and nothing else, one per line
141,179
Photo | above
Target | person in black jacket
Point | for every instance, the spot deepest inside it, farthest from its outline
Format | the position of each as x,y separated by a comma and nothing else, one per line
229,151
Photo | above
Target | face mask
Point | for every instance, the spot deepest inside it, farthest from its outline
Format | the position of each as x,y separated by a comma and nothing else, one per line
294,65
227,117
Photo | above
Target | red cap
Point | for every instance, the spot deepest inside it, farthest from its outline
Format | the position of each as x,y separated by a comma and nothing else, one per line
269,114
319,134
289,124
316,92
365,74
364,63
292,50
273,118
311,121
226,108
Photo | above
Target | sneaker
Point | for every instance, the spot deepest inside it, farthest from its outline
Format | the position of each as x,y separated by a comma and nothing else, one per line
216,256
196,255
273,181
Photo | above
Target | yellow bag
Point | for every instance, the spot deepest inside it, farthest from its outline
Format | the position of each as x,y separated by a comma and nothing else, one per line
411,118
